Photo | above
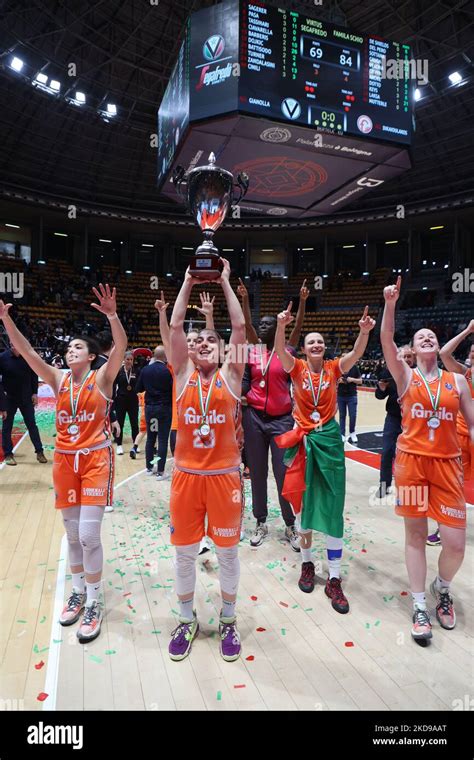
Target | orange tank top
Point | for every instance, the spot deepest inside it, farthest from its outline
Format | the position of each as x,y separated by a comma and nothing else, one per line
307,415
439,441
461,425
218,452
90,427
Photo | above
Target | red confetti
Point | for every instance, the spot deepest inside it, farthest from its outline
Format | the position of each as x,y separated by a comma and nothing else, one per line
364,551
403,593
42,696
253,598
261,629
283,604
129,593
250,658
349,644
239,686
39,665
147,564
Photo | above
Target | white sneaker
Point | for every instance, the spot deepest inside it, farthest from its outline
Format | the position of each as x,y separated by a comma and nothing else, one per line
162,476
150,472
353,438
137,449
292,537
109,509
261,533
119,449
343,438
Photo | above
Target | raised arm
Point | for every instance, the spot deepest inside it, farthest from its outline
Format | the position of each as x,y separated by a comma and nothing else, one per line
237,355
207,308
161,306
399,370
284,318
178,357
298,326
366,324
108,305
450,347
466,404
49,374
250,330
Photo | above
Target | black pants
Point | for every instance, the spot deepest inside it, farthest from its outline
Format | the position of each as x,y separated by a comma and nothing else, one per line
27,411
124,406
173,434
391,431
158,423
259,438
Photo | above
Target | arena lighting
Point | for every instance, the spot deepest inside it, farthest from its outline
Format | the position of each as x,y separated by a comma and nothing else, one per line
79,98
439,227
16,63
102,240
15,226
111,109
455,77
391,242
60,234
417,94
40,261
424,262
86,266
128,271
424,287
325,275
407,270
55,85
365,273
227,249
147,245
41,78
348,246
187,249
446,266
307,249
169,274
266,250
434,263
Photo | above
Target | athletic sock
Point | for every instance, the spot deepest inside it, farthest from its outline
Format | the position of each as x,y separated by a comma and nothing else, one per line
306,555
79,581
228,609
441,585
92,592
186,610
419,600
334,553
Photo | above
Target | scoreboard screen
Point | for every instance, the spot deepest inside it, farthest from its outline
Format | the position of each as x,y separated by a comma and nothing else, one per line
174,109
296,69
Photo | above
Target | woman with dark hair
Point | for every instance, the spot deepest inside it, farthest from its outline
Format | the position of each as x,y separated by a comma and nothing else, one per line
83,468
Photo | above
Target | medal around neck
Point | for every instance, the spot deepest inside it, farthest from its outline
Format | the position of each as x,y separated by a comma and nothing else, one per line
208,192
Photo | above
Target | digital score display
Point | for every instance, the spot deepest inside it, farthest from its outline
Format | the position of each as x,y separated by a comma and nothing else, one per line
173,115
313,73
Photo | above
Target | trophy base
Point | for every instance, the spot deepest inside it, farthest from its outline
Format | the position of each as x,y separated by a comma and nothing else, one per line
206,263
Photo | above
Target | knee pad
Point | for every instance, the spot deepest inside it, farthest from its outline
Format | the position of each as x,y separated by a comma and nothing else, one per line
89,536
185,564
71,526
229,568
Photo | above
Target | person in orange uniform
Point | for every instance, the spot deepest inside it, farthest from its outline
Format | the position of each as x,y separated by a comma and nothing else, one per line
83,467
206,480
316,477
428,468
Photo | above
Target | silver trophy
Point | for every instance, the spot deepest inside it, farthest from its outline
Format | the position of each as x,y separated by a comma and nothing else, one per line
208,191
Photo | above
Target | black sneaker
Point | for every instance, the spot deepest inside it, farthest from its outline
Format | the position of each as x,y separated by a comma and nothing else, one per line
133,454
334,591
307,577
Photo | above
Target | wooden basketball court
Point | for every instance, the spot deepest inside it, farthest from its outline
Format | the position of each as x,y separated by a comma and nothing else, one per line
298,653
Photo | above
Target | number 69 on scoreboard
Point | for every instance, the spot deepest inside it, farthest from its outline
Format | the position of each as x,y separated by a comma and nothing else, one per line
330,53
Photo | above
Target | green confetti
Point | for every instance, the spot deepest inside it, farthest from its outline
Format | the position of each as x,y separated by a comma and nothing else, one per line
21,621
17,586
95,659
130,622
219,696
36,649
377,622
110,651
295,606
57,641
174,612
211,621
367,625
156,631
119,572
43,619
309,609
369,567
45,649
283,631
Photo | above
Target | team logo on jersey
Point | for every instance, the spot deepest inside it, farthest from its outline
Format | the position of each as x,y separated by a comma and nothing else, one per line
90,386
65,419
193,383
191,417
218,383
448,386
419,411
417,383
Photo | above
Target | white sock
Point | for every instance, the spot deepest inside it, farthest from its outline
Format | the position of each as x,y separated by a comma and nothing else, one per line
334,554
92,592
442,585
186,610
79,581
306,555
419,600
228,609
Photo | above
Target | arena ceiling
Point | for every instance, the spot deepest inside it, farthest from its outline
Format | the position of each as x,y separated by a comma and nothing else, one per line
124,52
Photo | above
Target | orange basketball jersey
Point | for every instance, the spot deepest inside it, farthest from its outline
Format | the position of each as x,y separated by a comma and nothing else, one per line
418,437
91,425
304,403
217,452
461,425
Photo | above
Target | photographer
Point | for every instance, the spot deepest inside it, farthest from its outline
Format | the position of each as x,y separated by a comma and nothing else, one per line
347,401
386,389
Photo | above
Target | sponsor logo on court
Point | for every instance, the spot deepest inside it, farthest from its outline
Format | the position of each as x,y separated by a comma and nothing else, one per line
276,135
418,411
45,734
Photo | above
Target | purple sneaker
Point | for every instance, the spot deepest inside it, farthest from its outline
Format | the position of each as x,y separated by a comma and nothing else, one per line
182,639
230,646
434,539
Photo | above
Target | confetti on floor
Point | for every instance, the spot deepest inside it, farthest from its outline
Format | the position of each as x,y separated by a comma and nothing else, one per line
260,629
39,665
219,696
42,696
349,644
250,658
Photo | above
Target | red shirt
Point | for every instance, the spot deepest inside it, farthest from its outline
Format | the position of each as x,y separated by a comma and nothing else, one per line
273,399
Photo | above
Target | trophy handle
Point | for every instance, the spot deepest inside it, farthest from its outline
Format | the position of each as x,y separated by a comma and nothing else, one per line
242,185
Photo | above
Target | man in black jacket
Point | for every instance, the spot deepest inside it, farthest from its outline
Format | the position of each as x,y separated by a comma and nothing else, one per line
392,428
157,382
20,384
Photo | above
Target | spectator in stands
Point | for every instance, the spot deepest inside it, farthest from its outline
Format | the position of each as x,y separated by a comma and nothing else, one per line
20,384
347,401
386,389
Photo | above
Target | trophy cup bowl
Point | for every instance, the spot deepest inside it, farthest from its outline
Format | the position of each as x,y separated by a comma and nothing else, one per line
209,192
